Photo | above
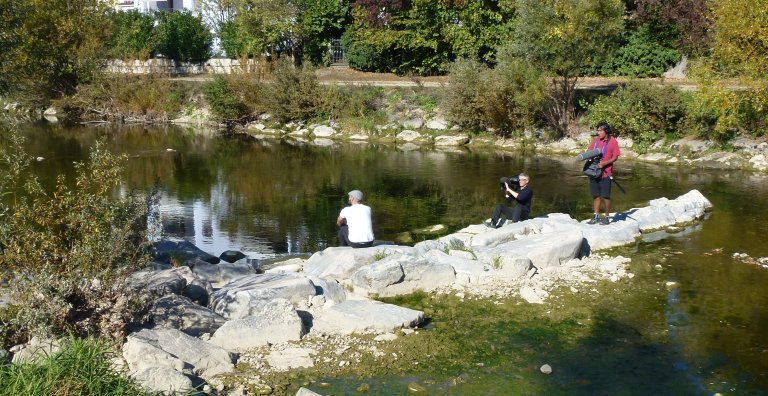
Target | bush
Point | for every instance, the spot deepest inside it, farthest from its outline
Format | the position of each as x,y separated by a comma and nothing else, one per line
127,97
295,94
182,36
224,99
68,252
644,112
719,113
505,99
81,367
646,54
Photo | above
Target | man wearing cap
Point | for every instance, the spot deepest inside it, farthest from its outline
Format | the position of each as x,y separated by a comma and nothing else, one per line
355,222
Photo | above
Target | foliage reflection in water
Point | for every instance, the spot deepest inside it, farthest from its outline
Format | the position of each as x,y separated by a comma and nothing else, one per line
271,198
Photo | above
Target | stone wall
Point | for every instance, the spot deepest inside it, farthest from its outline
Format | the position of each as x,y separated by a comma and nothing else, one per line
168,66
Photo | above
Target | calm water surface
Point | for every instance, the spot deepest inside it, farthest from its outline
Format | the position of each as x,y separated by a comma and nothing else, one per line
270,198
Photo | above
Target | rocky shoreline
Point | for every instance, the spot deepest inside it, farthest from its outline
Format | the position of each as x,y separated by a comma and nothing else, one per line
210,315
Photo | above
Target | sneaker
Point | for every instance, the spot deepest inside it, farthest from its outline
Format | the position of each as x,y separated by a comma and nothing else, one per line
594,220
605,221
490,224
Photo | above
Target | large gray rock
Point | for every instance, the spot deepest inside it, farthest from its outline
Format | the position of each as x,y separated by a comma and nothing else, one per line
329,289
177,312
163,380
245,296
159,283
400,274
275,322
364,316
175,350
343,262
181,252
35,350
467,270
221,274
544,250
196,289
451,140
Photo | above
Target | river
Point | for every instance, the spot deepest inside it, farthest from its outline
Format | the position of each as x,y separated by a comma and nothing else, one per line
272,198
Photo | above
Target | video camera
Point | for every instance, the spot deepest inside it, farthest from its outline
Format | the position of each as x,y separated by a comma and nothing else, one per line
592,158
513,182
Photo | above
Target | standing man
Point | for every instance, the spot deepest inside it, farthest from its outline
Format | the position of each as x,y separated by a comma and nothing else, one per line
600,187
522,197
355,222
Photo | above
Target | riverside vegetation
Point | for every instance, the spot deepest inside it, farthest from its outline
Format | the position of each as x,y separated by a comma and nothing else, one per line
66,253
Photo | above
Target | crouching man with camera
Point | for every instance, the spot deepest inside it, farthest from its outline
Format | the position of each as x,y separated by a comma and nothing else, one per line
515,189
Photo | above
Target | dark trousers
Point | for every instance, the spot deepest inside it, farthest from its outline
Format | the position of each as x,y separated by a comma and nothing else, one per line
344,239
514,215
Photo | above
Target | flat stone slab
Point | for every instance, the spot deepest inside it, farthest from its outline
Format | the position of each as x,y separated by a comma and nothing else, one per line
244,297
365,316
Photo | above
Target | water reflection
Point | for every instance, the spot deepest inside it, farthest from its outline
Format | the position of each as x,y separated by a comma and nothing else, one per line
270,198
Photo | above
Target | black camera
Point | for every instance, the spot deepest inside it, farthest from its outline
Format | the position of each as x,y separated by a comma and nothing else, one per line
513,182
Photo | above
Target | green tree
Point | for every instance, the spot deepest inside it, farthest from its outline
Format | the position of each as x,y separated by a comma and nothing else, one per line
132,36
49,47
561,37
259,27
739,52
181,36
318,21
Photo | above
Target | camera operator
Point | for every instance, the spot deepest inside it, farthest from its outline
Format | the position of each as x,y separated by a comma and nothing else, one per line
600,187
522,197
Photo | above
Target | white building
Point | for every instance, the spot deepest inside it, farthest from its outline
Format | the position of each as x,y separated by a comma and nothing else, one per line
154,5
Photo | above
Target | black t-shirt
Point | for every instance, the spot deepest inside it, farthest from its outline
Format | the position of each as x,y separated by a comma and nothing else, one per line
524,198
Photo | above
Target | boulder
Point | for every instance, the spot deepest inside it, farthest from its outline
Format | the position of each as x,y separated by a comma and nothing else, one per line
175,350
182,251
245,296
159,283
231,256
35,350
274,322
364,316
408,136
163,380
221,274
324,131
177,312
451,140
400,274
343,262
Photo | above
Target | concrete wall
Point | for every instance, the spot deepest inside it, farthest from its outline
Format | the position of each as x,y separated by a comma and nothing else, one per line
167,66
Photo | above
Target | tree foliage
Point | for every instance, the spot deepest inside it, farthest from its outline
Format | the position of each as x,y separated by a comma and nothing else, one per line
68,252
421,36
317,22
561,37
181,36
50,46
690,18
259,27
739,52
132,35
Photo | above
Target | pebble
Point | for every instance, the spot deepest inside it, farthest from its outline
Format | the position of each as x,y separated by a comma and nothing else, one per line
546,369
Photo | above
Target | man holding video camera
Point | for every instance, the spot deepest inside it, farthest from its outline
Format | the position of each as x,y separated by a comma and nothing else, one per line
515,189
600,186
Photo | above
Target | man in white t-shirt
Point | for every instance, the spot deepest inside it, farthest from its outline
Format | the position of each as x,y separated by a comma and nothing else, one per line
355,221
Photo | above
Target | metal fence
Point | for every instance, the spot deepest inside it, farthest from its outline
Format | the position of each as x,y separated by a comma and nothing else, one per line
338,57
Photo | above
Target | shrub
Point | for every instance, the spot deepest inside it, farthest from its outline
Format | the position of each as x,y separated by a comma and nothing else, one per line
224,100
506,98
646,54
81,367
68,252
121,97
719,113
295,94
644,112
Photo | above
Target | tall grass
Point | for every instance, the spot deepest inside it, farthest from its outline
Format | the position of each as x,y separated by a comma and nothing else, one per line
81,367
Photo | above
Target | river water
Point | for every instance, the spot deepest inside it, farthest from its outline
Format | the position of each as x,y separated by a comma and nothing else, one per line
272,198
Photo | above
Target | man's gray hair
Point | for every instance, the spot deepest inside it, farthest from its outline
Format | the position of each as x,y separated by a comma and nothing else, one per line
524,176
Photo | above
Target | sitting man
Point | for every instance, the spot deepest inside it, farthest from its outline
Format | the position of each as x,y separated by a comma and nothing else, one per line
355,222
522,197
